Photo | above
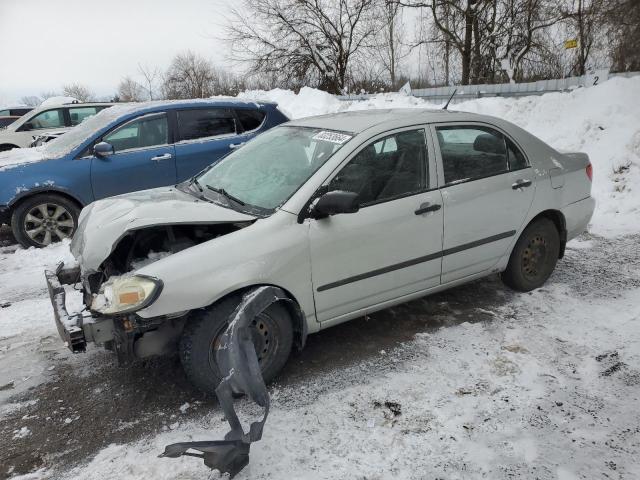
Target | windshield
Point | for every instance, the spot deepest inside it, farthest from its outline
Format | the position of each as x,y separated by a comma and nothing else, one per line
272,167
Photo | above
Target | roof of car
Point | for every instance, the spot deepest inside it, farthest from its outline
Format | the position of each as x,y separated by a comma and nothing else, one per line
359,120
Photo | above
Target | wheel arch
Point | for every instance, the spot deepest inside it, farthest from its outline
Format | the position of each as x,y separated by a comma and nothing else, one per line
46,191
558,219
299,324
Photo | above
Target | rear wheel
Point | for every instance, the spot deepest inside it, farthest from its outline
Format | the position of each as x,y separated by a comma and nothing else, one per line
44,219
272,336
534,257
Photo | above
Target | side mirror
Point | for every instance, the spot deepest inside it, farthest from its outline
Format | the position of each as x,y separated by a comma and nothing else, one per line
335,202
102,149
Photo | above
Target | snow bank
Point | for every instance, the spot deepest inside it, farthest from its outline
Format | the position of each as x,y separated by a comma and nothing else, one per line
58,100
603,121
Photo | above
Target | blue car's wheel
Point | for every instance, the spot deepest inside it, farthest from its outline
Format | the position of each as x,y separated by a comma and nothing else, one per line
44,219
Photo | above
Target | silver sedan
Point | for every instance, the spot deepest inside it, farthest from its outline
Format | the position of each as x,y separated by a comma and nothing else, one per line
343,214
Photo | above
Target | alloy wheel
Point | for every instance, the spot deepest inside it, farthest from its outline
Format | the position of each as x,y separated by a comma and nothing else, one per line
47,223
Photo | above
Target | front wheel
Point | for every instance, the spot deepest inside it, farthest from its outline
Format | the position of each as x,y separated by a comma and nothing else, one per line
44,219
271,331
534,257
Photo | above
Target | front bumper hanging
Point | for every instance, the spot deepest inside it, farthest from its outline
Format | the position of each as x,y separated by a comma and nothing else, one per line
238,362
74,329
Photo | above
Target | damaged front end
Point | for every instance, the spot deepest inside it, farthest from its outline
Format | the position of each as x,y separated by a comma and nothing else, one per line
115,239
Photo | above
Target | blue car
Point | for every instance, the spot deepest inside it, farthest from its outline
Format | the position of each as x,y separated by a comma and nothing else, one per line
122,149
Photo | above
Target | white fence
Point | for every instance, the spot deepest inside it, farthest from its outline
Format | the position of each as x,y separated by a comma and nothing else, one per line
507,89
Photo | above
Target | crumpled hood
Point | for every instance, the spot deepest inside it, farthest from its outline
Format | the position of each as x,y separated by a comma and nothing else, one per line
21,156
103,223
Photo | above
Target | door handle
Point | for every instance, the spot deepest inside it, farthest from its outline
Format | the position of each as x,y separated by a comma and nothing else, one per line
427,207
159,158
521,184
234,146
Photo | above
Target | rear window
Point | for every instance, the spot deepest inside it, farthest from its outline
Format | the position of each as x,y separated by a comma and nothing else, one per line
203,123
250,118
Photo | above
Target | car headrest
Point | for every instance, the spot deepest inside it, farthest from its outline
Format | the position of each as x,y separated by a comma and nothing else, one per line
489,144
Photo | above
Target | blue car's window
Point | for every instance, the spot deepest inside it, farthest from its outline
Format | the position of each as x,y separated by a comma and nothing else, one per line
273,166
144,132
250,118
205,122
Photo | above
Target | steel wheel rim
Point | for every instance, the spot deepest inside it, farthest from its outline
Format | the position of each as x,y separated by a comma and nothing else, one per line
534,257
47,223
263,329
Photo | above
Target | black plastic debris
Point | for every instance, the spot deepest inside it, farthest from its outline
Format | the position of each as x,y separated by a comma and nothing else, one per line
237,360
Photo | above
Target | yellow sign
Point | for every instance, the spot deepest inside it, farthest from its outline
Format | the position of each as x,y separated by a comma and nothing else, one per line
573,43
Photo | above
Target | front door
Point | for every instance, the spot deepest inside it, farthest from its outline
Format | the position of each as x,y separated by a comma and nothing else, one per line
488,190
142,158
392,246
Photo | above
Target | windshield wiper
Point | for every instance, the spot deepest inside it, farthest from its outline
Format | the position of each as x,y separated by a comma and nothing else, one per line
194,181
225,194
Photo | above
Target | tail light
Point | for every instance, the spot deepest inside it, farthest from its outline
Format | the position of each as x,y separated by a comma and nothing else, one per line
589,171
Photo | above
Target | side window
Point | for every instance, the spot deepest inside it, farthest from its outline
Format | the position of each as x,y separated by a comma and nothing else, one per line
391,167
48,119
517,161
78,114
250,118
202,123
471,152
147,131
4,113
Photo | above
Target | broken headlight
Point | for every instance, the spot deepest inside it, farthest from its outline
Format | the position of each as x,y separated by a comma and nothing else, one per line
126,294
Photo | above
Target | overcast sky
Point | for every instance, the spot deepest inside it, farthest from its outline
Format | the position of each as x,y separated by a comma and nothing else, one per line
45,43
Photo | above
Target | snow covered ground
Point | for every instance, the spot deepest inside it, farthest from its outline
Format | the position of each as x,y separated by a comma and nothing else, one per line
496,385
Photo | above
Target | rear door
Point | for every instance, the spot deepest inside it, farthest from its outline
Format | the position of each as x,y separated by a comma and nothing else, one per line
488,188
205,135
143,157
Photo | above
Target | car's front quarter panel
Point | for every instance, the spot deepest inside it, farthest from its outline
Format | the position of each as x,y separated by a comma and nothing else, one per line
271,251
65,175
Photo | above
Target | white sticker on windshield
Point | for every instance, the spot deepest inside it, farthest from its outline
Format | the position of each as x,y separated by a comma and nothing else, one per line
333,137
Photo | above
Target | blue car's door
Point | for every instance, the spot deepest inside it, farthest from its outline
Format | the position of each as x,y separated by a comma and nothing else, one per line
205,136
143,158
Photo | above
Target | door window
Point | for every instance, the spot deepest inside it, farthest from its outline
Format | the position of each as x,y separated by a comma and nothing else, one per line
392,167
471,152
517,160
203,123
48,119
144,132
250,118
78,114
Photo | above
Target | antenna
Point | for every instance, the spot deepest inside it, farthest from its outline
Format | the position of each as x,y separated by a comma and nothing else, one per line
449,101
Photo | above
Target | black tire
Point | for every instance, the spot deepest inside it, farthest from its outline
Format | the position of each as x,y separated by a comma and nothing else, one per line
37,207
205,326
534,257
6,148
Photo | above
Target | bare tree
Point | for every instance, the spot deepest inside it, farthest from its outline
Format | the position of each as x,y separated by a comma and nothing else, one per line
77,91
623,21
31,100
585,19
130,91
390,48
189,76
151,77
302,41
